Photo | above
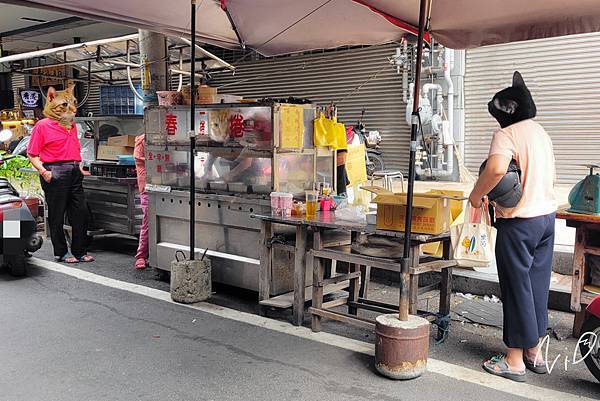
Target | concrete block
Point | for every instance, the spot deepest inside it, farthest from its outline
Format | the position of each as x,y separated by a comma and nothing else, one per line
191,281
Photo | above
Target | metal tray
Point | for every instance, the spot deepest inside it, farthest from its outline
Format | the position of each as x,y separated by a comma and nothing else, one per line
218,185
239,187
261,189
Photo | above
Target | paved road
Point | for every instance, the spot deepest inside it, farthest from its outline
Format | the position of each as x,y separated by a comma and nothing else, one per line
67,339
466,347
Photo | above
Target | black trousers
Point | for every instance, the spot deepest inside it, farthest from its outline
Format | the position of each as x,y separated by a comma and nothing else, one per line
524,249
64,194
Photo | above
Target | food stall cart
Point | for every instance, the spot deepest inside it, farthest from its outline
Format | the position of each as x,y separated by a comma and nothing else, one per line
111,189
245,151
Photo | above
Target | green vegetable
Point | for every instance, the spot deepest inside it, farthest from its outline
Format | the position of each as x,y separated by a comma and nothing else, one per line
12,168
22,181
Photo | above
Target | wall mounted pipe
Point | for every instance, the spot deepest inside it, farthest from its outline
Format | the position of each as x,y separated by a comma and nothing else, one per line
448,65
180,84
131,86
448,147
427,88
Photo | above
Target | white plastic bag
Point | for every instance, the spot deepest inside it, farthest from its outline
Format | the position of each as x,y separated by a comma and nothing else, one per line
354,214
473,242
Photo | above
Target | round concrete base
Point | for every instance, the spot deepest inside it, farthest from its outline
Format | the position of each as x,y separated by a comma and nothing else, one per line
401,347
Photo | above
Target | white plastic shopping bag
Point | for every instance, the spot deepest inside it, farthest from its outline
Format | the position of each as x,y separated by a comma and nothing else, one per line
473,240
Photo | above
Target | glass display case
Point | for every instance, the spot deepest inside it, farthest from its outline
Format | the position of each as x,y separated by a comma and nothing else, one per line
241,148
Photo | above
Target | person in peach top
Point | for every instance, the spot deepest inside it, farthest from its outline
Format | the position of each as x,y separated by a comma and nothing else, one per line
141,256
525,240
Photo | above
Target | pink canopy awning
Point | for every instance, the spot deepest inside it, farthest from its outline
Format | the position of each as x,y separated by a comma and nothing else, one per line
284,26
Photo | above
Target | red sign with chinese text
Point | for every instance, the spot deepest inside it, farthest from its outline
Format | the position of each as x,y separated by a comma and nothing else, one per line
171,124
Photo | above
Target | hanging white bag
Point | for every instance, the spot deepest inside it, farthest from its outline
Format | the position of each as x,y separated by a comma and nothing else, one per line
473,241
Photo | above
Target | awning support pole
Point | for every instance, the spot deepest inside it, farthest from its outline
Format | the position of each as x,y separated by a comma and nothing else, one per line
193,135
405,264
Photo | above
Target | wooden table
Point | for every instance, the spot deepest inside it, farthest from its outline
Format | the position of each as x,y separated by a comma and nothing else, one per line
587,242
311,257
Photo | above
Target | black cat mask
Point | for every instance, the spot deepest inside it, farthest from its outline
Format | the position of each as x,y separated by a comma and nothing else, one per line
513,104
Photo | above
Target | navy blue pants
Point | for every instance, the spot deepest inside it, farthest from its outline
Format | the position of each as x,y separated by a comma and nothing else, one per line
524,249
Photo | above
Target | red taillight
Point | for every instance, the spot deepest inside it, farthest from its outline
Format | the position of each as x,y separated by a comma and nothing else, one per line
9,206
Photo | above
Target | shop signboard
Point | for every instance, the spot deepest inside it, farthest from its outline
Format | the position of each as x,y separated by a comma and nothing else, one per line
30,98
29,114
49,76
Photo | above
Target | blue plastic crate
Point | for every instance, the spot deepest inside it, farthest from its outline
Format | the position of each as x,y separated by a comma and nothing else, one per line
119,100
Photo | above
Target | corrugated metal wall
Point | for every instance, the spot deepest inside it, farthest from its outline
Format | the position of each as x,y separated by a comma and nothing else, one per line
17,82
332,77
564,79
92,105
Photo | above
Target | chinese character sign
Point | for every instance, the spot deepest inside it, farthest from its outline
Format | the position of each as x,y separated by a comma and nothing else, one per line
171,124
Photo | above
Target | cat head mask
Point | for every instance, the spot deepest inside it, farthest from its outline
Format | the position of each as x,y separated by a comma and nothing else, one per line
61,105
513,104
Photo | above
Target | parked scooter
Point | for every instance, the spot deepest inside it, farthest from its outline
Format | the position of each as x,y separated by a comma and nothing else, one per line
371,140
18,234
589,344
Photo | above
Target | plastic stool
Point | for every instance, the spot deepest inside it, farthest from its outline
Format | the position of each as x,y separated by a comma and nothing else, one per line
388,177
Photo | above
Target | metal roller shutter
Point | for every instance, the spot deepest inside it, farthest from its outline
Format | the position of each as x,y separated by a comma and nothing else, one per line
332,77
564,80
92,105
18,81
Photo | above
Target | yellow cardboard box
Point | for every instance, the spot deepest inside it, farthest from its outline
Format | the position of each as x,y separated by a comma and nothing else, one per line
456,208
457,202
431,212
122,140
108,152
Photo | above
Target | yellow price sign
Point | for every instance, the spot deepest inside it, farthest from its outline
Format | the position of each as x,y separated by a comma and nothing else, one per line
356,167
292,127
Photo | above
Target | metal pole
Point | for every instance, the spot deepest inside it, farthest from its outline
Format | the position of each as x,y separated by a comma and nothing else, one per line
404,275
154,71
193,135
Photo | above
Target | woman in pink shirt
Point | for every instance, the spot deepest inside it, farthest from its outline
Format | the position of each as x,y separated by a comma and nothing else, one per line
55,153
525,241
141,257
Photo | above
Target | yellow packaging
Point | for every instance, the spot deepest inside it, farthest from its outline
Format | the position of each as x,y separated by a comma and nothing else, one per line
329,133
431,212
107,152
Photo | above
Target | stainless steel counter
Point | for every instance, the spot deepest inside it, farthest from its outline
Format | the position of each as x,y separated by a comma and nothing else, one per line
223,225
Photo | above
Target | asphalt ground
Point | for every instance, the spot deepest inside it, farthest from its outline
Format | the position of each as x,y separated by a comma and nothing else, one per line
466,347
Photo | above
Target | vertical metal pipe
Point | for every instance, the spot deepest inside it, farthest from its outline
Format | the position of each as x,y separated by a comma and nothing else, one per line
193,136
404,275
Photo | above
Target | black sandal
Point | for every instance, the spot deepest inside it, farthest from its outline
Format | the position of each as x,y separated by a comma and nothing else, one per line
68,258
497,366
540,369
